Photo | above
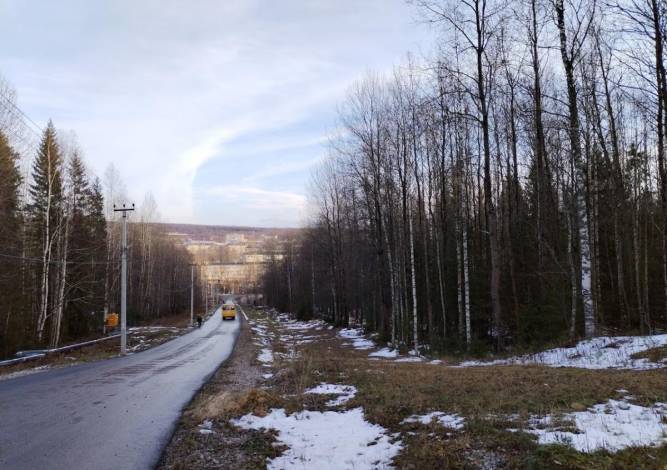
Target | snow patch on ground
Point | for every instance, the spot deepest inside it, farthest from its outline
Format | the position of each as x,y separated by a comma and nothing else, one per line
613,426
385,352
299,339
388,353
265,356
206,427
453,421
605,352
345,392
152,328
304,325
259,330
21,373
326,440
356,335
409,359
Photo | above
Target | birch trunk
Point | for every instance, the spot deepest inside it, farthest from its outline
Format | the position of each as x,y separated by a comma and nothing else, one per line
60,304
466,286
579,176
392,286
441,281
415,323
573,275
46,254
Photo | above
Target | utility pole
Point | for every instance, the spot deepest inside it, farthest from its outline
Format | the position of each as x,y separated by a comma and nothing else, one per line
123,289
192,294
209,294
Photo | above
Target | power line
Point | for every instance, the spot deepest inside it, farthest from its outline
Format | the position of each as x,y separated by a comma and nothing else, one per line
23,139
39,260
14,108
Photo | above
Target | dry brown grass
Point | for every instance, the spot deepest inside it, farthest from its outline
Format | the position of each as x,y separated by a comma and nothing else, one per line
486,396
653,355
226,405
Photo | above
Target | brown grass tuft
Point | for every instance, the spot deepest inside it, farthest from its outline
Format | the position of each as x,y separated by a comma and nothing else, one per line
226,404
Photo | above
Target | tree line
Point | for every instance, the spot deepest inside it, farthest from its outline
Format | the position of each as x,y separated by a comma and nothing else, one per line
60,243
509,190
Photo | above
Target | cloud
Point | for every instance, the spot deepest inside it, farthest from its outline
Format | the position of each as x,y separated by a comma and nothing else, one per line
176,94
279,169
263,207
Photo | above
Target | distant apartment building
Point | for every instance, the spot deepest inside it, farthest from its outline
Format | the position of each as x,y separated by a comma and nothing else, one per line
235,237
235,261
262,257
234,277
236,251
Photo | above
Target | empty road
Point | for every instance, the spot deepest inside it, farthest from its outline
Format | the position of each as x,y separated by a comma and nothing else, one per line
112,414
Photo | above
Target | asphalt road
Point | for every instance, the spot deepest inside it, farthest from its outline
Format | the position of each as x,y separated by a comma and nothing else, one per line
112,414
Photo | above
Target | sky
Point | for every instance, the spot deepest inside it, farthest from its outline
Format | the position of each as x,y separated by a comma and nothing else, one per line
219,109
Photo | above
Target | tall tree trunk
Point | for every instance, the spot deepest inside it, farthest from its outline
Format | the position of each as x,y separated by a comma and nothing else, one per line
46,253
580,175
573,277
413,271
489,206
62,281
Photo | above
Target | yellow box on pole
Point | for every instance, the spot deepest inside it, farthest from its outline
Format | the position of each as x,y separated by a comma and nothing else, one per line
111,320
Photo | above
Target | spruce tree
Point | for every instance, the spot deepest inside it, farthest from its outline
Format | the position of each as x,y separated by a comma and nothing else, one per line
10,180
79,278
10,241
97,226
44,211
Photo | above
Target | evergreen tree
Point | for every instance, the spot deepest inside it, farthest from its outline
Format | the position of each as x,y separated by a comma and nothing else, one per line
10,180
97,226
88,252
10,224
79,277
45,211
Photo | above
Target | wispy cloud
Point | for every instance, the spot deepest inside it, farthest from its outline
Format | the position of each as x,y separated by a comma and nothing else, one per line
180,94
263,207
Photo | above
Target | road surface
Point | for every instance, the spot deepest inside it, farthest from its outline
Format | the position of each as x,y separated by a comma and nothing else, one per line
113,414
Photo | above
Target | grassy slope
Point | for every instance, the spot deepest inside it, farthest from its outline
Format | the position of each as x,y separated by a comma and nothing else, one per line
390,391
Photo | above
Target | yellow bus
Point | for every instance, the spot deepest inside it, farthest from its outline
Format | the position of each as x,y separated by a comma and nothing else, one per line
229,312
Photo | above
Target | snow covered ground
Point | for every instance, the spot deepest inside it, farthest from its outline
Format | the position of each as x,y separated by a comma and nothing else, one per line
410,359
345,392
206,427
605,352
361,342
613,426
356,336
343,438
326,440
265,356
453,421
304,325
385,352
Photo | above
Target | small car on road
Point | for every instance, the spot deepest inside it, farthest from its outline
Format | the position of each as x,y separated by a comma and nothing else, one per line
229,312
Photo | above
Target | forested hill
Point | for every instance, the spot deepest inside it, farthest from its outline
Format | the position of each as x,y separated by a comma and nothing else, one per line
220,232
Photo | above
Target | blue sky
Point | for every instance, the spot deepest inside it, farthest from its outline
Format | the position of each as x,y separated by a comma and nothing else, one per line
220,109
